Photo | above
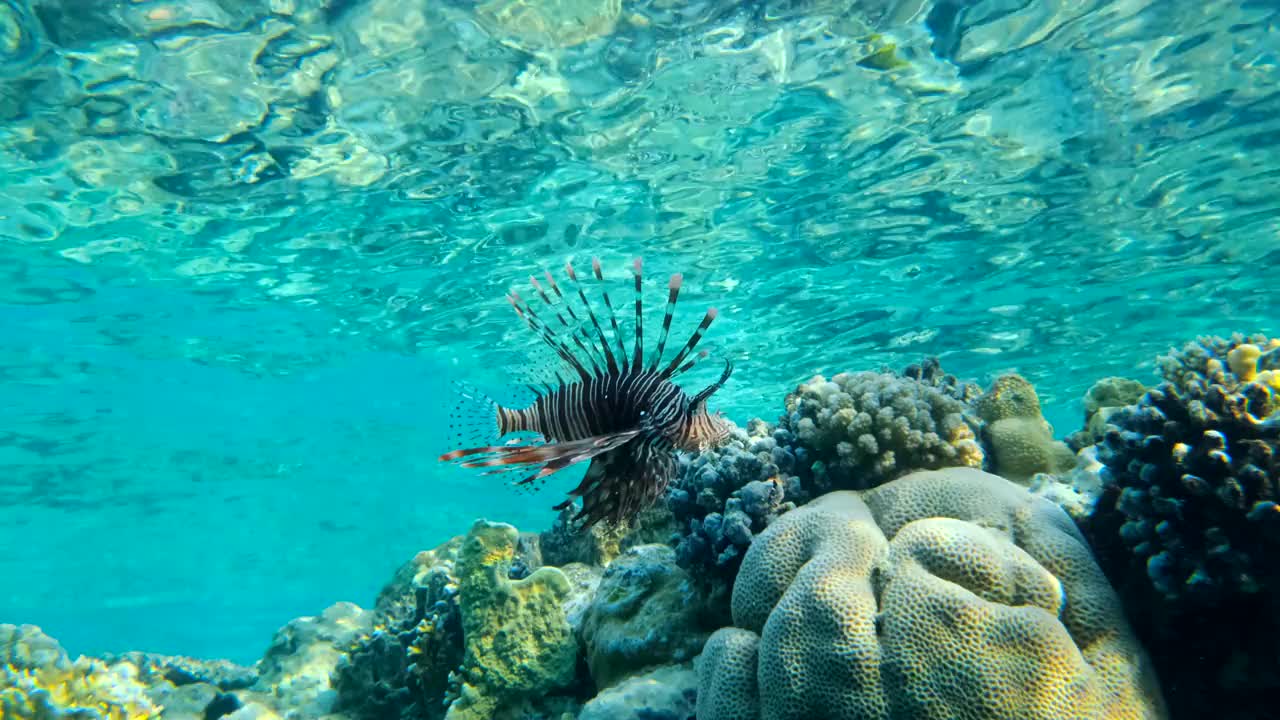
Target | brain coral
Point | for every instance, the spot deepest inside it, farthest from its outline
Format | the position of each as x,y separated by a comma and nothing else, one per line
860,429
943,594
1188,525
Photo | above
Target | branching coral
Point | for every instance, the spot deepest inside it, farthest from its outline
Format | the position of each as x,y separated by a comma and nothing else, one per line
1194,473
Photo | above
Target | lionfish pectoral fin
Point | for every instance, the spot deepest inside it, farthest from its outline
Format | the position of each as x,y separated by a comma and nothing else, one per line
621,483
557,455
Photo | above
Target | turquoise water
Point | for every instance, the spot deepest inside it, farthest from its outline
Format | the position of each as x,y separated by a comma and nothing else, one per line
244,246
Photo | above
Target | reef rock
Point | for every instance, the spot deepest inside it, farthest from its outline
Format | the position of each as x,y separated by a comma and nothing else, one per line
296,668
646,612
665,693
942,594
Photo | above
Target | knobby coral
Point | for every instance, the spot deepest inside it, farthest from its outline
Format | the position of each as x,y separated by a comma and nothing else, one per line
860,429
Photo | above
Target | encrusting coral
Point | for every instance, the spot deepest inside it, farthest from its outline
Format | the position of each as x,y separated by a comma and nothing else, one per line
518,641
1188,526
942,594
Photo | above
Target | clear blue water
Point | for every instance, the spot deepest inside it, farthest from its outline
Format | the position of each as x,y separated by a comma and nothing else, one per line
244,246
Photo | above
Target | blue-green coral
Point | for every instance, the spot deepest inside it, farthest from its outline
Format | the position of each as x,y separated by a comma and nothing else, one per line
1188,526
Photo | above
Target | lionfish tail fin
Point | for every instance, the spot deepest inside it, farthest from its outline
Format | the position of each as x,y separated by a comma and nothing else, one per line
476,418
621,483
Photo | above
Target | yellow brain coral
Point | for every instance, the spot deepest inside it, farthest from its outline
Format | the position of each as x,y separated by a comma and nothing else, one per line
943,594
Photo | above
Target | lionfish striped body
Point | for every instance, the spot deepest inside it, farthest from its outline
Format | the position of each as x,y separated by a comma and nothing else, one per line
619,410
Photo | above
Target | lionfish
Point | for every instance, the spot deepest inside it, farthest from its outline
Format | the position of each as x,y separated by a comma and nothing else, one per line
617,409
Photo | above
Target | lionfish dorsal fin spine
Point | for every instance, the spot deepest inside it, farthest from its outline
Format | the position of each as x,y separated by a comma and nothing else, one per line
637,360
538,326
673,292
702,355
574,330
713,387
693,341
610,361
613,317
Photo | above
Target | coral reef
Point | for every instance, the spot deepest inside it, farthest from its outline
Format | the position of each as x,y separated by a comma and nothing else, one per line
1021,440
942,594
295,669
1188,527
858,430
518,642
38,681
180,670
401,668
646,612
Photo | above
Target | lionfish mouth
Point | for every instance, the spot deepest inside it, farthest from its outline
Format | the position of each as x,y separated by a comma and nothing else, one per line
619,409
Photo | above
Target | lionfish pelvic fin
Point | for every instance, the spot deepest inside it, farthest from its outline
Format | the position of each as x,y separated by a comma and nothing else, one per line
622,482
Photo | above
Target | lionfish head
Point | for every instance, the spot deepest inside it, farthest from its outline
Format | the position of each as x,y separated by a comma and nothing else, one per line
708,430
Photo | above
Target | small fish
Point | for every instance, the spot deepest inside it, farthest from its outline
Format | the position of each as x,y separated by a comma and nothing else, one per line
617,409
